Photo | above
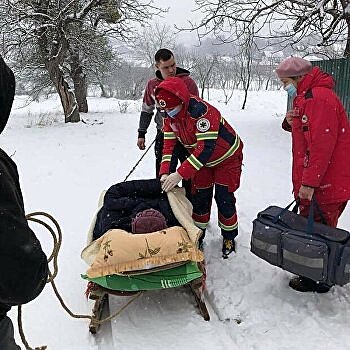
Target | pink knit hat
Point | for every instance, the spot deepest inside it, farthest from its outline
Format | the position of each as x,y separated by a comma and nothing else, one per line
293,67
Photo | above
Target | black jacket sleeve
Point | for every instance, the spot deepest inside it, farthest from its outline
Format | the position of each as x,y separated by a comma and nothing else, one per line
7,92
23,264
144,122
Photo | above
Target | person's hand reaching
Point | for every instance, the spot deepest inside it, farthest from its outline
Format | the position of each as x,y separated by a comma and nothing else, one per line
171,181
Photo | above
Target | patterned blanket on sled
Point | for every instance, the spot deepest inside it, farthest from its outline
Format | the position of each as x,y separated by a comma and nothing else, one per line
121,252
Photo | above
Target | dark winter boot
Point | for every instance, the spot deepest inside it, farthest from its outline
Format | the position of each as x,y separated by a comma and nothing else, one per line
304,284
228,246
201,241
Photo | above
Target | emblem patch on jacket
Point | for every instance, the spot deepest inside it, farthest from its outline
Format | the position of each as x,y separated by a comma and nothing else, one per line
203,124
162,103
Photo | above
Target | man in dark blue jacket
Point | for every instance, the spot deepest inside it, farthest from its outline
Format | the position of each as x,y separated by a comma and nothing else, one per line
23,264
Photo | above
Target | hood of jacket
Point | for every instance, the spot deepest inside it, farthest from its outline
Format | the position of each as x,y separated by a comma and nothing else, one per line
315,78
7,93
180,72
177,87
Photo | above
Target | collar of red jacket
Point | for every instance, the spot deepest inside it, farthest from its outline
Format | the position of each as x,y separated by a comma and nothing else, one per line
180,72
316,77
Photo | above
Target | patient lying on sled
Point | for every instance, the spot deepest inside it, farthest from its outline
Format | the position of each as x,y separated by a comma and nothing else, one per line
137,206
166,234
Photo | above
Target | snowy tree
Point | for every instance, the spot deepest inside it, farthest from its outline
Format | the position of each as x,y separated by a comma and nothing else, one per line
127,80
245,59
224,77
100,65
152,38
55,31
327,20
203,70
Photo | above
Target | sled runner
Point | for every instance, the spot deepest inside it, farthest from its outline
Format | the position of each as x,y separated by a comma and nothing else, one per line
100,295
128,264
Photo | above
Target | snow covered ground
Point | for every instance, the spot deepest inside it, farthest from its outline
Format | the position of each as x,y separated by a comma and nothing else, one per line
63,169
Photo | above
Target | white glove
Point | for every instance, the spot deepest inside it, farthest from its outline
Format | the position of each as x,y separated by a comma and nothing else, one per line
171,181
163,177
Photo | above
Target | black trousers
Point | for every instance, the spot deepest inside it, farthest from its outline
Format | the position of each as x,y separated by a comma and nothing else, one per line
180,154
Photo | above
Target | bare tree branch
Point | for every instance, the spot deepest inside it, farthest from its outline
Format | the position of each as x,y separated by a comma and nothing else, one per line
329,19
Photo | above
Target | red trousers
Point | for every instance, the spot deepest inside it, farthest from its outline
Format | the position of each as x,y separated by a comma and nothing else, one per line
226,173
225,177
330,212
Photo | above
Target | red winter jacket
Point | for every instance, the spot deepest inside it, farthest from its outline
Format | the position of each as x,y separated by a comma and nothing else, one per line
321,140
200,128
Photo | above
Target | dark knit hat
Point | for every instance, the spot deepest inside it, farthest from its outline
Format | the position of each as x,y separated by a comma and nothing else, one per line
293,67
149,220
167,100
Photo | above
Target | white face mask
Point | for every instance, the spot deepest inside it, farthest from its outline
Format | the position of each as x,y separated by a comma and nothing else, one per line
173,112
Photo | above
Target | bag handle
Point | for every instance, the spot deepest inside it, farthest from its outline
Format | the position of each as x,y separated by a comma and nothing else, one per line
295,209
310,220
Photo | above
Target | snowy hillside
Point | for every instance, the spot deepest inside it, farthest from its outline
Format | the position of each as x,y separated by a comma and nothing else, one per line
63,169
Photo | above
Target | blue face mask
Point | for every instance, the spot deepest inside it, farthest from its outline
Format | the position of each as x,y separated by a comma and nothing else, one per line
291,89
173,112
